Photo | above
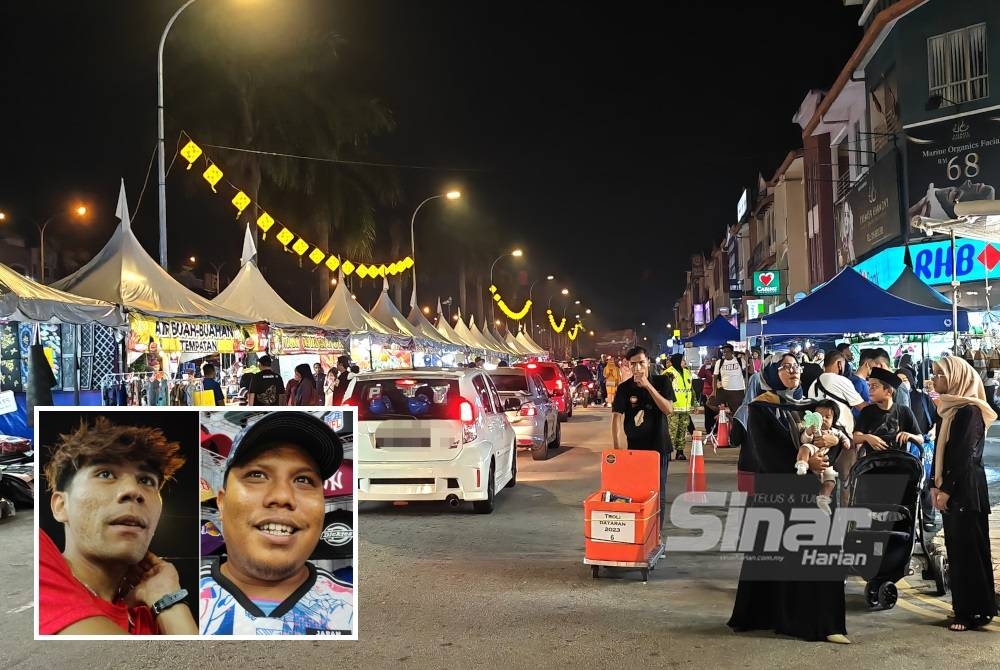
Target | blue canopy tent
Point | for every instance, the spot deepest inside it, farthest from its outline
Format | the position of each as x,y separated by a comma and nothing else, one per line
911,287
716,334
849,303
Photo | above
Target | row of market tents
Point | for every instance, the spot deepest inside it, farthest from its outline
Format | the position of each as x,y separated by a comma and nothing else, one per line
123,279
849,303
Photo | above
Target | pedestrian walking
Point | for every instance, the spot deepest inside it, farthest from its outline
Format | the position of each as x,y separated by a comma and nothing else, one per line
768,597
612,377
680,378
707,399
960,492
343,370
304,394
729,378
642,405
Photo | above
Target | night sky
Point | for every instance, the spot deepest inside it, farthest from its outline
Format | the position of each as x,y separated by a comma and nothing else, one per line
609,141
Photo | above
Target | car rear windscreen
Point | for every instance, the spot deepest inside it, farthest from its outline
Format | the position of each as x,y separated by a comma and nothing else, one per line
510,382
547,373
407,398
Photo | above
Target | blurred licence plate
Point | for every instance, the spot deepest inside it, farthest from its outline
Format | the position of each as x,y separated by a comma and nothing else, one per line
401,442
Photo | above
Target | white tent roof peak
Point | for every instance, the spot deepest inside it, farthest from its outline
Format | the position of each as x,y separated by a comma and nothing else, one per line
123,273
343,312
251,294
249,248
121,211
386,313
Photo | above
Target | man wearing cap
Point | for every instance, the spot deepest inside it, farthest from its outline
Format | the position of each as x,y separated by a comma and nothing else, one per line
885,424
271,507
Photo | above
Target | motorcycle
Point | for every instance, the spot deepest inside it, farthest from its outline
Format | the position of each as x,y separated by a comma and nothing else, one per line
582,393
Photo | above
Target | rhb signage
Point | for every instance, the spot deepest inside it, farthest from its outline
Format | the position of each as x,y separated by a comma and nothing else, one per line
766,283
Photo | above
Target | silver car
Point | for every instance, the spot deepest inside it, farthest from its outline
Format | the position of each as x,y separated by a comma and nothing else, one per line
532,413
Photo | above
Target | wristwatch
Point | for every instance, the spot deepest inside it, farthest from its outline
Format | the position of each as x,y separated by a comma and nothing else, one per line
168,601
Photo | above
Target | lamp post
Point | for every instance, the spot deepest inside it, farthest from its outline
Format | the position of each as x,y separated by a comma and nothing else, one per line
79,211
531,315
450,195
516,253
161,173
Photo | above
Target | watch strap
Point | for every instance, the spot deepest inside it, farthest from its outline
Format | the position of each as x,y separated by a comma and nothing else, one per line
169,601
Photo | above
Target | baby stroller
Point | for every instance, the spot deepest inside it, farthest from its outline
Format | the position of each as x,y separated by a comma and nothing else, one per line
888,483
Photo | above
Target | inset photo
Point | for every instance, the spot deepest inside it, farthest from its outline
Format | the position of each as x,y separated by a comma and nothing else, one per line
277,523
117,538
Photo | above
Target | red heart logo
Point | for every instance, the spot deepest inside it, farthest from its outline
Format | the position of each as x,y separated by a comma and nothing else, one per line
766,278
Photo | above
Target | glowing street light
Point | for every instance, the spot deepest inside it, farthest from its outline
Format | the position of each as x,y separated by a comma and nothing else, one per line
427,310
193,260
450,195
79,210
587,311
565,291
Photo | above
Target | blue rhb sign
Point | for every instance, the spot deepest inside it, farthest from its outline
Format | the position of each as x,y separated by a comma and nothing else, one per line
932,262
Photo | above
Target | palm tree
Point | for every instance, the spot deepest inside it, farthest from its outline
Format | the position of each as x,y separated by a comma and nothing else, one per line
250,86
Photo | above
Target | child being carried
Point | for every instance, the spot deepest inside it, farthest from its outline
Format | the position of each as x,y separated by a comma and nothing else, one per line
816,424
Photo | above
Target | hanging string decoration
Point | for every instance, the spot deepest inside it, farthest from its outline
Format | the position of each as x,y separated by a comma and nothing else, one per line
191,153
552,322
511,314
572,335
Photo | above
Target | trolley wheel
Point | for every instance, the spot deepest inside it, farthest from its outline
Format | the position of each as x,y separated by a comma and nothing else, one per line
887,595
594,570
940,570
645,575
871,593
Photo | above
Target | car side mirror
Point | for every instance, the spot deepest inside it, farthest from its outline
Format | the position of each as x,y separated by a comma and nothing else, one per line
512,404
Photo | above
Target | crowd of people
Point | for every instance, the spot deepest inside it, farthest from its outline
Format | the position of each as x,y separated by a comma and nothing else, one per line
804,411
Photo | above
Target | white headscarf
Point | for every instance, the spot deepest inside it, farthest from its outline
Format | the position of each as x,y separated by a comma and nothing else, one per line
964,388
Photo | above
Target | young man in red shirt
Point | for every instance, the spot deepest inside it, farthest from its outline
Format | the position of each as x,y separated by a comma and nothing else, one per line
105,481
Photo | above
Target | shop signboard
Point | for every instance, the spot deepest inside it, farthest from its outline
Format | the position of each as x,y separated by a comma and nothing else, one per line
957,160
184,335
307,341
932,263
755,309
767,283
869,216
699,315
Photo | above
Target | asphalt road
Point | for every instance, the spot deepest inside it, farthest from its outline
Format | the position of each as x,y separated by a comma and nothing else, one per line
450,589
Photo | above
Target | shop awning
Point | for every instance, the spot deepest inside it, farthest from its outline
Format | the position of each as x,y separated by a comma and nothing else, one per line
716,334
23,299
849,303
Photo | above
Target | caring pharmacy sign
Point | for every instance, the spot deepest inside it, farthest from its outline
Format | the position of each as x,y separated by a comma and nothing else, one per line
766,283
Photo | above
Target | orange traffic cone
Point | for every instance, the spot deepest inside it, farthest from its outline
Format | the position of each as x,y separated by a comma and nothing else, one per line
722,427
696,468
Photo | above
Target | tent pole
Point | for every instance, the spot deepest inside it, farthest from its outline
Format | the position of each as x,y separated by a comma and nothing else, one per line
76,366
954,295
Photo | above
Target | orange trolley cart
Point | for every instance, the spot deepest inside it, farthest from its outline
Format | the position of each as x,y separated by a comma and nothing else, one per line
622,534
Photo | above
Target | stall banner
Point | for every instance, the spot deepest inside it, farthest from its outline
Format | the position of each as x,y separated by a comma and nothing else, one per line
960,161
307,341
182,335
869,216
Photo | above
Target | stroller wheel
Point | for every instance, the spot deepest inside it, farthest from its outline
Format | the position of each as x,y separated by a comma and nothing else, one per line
887,595
940,569
871,593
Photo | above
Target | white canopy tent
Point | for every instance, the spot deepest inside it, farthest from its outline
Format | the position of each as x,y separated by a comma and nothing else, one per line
386,313
249,293
453,335
343,312
22,299
425,328
122,273
514,344
526,340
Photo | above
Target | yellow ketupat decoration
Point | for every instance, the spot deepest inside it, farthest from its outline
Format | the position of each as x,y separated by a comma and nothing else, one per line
300,246
240,201
362,271
212,175
347,267
332,262
552,322
316,256
264,222
190,152
285,236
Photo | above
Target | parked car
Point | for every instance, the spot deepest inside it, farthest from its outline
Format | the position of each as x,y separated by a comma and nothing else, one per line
531,411
432,434
556,384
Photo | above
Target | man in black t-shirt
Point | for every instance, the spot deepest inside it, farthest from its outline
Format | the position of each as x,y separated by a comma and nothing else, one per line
884,424
640,410
266,386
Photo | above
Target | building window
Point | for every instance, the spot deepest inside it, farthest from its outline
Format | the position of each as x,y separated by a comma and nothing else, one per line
956,64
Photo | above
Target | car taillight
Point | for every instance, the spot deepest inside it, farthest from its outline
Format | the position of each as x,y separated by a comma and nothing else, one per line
531,366
527,410
559,384
465,413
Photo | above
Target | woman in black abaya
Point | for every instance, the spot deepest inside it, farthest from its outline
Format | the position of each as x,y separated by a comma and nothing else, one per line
766,598
960,490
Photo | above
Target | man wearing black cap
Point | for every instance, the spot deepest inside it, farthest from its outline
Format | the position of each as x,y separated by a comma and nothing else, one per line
271,506
885,424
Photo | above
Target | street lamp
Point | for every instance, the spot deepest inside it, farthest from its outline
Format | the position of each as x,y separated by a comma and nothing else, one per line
516,253
80,210
565,291
450,195
161,173
531,316
587,311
